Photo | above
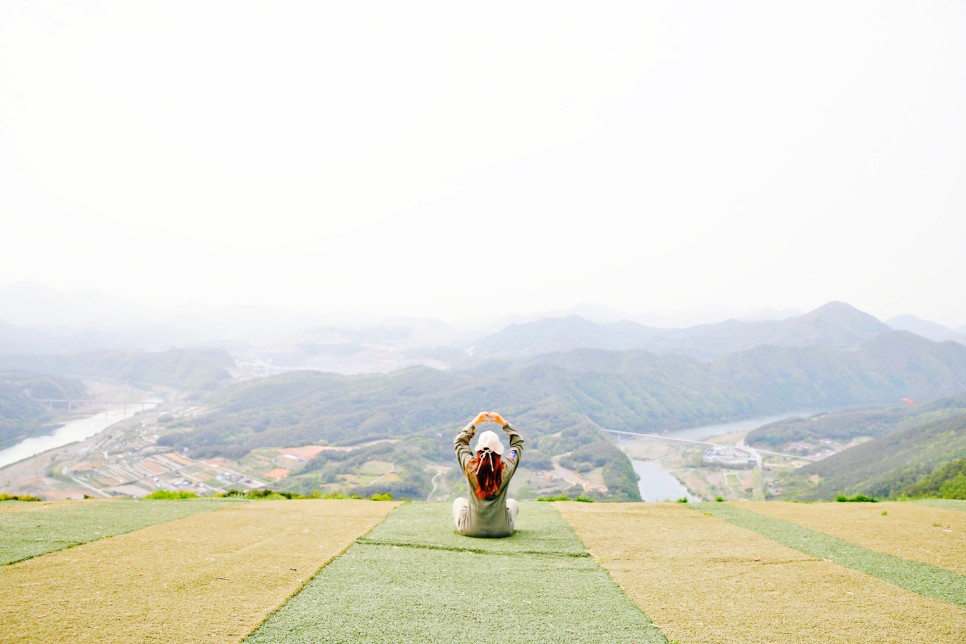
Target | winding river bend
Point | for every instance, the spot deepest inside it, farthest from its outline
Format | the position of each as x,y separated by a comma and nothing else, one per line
68,432
657,484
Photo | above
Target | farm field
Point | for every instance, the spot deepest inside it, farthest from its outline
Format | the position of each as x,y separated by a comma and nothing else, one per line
314,570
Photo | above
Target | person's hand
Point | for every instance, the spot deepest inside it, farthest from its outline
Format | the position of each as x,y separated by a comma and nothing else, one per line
495,417
482,417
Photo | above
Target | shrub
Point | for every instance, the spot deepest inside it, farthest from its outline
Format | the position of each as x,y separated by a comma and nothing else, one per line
269,494
385,496
719,499
584,499
169,495
683,499
19,497
858,498
559,497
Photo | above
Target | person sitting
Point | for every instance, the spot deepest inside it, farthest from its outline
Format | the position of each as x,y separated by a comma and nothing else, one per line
486,511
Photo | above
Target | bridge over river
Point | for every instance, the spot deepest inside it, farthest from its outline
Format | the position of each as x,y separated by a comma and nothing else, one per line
70,403
621,432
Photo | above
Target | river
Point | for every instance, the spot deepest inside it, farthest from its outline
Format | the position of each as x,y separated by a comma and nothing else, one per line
68,432
707,431
657,484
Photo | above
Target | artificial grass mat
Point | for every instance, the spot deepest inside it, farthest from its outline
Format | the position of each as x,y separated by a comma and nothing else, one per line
37,531
430,525
918,577
931,535
702,579
413,578
945,504
211,577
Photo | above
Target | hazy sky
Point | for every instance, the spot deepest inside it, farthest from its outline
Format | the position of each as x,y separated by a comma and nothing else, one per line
455,159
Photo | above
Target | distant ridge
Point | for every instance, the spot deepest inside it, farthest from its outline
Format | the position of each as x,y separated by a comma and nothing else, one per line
834,325
38,319
926,329
551,335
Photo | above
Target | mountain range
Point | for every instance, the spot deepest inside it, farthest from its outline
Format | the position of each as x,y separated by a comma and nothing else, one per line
37,319
835,325
563,377
562,399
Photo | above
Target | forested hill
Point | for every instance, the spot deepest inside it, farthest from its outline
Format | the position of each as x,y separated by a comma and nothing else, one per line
913,443
624,390
895,464
21,416
558,399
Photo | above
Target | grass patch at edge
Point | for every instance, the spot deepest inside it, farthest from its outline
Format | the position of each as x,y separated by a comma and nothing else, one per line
915,576
945,504
38,532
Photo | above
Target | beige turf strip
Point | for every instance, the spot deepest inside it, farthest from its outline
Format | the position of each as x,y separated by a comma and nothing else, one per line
703,580
911,531
212,577
33,505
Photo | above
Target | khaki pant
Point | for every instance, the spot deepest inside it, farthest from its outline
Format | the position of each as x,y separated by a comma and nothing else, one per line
461,506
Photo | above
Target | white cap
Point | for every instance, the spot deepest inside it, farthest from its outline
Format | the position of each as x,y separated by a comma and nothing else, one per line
489,440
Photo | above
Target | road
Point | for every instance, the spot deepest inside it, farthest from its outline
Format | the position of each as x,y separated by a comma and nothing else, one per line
435,485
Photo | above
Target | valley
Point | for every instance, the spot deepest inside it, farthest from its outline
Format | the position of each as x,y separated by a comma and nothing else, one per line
125,460
122,460
257,418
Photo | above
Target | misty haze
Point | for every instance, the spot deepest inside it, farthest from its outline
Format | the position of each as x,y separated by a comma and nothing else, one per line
266,267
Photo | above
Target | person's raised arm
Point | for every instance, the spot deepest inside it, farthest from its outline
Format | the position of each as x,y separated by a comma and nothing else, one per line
461,444
516,441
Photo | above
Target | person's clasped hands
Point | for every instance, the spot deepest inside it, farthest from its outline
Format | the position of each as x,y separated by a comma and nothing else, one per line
489,417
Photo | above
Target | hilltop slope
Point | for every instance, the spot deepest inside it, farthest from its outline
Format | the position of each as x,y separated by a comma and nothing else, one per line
349,571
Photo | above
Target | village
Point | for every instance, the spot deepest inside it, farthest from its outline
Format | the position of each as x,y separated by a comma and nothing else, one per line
728,456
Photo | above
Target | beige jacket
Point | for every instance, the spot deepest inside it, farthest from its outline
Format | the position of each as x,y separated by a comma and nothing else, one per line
488,517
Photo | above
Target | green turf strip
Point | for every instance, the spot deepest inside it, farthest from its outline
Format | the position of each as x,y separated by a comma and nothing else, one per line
37,531
430,525
918,577
414,579
945,504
